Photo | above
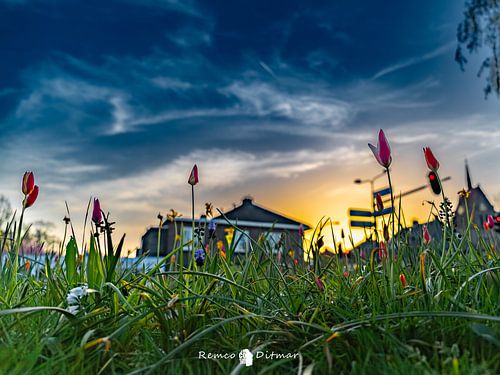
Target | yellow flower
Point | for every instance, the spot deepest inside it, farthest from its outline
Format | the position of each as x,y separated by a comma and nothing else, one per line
464,193
291,253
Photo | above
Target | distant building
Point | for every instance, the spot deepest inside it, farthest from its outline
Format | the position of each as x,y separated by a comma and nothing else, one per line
253,222
477,205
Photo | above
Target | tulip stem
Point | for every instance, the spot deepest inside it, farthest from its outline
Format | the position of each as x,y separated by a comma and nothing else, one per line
193,228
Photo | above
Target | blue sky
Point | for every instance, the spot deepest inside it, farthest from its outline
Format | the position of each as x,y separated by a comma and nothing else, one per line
278,99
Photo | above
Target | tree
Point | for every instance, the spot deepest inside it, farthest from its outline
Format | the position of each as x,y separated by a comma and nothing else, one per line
480,29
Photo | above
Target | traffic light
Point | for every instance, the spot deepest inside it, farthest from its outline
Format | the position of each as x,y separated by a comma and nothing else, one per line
434,182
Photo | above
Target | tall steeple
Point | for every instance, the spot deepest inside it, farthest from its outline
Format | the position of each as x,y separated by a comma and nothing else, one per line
467,176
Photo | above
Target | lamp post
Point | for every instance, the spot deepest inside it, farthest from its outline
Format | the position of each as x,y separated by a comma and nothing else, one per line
372,180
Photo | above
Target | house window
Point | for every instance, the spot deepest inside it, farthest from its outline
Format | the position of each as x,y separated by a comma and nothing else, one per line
241,242
187,236
273,238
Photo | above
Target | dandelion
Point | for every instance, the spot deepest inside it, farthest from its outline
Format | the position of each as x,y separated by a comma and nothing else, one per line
383,151
199,257
426,235
431,161
402,278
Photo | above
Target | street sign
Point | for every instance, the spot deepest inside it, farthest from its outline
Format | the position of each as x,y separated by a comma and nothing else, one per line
362,213
382,192
385,211
361,224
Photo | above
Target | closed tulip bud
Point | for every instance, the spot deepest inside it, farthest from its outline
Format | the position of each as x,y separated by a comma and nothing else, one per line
380,204
96,212
193,177
491,222
426,235
430,159
382,252
386,232
28,182
319,284
486,226
301,230
31,197
402,278
383,151
296,261
346,274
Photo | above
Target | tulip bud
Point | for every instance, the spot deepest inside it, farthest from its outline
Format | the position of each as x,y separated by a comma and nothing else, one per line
319,284
301,230
491,222
431,161
386,232
346,274
383,151
380,204
486,226
28,182
427,236
382,253
193,177
97,213
31,197
402,278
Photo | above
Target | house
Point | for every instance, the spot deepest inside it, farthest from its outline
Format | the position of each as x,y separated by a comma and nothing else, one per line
252,221
475,204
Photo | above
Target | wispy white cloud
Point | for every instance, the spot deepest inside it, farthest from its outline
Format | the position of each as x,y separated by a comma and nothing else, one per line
415,60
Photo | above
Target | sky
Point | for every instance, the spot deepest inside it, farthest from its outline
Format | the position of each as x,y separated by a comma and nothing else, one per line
118,100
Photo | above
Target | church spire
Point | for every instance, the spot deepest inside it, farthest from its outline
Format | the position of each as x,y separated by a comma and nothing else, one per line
467,176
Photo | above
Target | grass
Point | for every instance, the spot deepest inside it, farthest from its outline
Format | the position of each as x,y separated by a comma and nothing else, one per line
133,321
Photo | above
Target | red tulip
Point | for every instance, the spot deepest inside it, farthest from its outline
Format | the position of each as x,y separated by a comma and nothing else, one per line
296,261
193,177
346,274
301,230
30,198
382,252
402,278
380,204
427,236
383,151
431,161
97,213
319,284
491,222
486,226
28,182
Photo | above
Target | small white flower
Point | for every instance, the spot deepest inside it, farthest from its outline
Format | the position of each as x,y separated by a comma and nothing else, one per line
80,291
74,309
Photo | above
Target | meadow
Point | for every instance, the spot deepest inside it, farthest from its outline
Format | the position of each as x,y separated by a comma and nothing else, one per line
426,309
